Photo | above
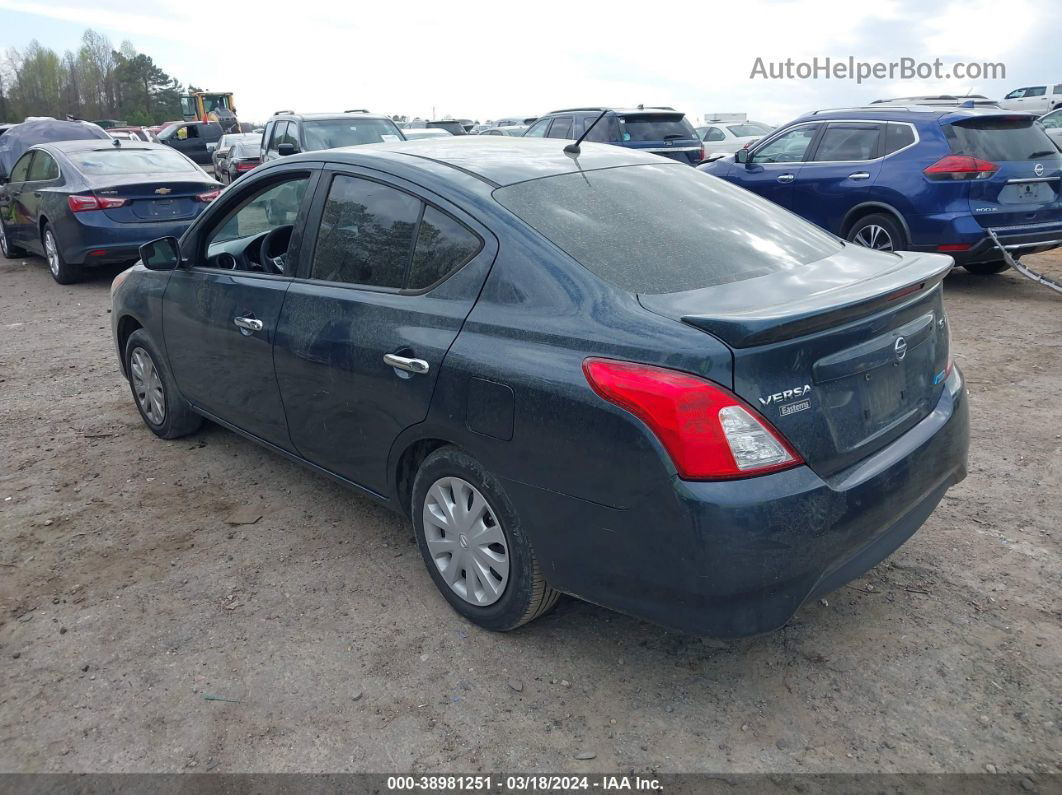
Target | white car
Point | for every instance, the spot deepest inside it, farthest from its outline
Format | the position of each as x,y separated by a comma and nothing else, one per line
416,133
1034,99
722,138
1052,122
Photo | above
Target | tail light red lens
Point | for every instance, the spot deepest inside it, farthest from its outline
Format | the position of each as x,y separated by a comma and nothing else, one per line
246,165
209,196
961,167
82,203
709,432
700,155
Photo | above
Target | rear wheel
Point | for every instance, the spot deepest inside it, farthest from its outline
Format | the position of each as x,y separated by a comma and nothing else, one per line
9,251
62,271
473,545
161,406
986,268
879,232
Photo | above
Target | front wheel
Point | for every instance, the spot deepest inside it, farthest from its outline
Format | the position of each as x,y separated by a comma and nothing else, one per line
879,232
161,406
473,544
62,271
6,248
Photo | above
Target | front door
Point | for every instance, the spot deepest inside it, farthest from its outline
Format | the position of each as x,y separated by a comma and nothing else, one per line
18,223
222,310
379,300
773,168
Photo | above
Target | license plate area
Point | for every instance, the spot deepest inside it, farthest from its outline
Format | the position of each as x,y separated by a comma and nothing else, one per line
1028,193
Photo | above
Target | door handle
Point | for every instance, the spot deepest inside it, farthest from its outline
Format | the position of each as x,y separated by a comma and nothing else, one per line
248,324
785,178
417,366
860,175
37,193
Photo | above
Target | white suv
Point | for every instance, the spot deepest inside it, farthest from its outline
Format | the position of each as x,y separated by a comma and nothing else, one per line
1034,99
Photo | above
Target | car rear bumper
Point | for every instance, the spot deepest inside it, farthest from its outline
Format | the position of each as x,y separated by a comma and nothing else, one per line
739,558
965,230
93,239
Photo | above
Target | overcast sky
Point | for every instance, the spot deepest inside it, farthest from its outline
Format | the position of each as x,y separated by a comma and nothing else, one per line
481,60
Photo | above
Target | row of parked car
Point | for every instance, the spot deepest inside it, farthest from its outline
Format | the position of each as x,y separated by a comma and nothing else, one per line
921,173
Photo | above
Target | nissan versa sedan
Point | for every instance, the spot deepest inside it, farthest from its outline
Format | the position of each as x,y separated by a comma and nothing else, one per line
597,373
86,203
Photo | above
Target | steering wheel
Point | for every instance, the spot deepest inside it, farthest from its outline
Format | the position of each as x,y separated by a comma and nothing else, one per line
274,249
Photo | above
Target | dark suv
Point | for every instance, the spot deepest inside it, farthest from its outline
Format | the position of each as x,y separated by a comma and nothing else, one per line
287,133
662,131
916,177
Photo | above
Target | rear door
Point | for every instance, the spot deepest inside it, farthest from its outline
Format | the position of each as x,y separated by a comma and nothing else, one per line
389,271
1024,188
773,167
846,160
222,310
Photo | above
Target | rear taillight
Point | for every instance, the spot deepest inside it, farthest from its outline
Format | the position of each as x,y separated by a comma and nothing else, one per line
209,196
246,165
700,155
961,167
709,432
81,203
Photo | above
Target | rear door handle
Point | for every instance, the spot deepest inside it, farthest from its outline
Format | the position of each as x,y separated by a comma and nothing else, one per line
785,178
417,366
249,324
860,175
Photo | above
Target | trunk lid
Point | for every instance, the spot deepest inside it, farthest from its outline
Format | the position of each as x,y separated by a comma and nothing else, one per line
151,200
1026,187
841,356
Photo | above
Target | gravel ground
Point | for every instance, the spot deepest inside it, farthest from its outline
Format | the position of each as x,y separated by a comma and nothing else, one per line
139,631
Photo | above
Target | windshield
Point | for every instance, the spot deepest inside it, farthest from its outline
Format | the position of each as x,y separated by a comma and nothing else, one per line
114,162
1000,138
333,133
665,228
655,127
748,130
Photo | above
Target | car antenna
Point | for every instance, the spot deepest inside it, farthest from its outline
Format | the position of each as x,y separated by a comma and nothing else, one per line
573,149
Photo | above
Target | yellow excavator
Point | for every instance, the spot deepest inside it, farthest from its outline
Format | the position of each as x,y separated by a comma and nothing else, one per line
210,106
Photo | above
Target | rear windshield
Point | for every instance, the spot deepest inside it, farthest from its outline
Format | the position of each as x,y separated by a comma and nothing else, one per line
665,228
1000,138
118,162
655,127
748,130
334,133
247,150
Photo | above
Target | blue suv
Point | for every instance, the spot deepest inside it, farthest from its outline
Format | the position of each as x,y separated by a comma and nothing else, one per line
920,178
662,131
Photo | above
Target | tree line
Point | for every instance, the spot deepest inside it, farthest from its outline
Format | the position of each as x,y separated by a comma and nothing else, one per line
96,82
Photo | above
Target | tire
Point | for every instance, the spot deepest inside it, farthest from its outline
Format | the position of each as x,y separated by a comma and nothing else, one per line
986,268
522,593
872,231
6,249
62,271
168,416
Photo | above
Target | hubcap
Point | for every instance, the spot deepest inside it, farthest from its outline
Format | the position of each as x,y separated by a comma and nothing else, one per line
3,241
466,541
52,253
148,386
875,237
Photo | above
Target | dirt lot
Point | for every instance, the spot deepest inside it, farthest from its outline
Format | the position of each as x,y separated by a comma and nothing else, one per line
127,604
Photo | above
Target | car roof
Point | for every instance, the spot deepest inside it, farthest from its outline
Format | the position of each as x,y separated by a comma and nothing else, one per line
495,159
944,115
323,116
623,111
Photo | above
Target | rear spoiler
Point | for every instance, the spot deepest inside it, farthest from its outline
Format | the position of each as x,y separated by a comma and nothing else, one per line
819,311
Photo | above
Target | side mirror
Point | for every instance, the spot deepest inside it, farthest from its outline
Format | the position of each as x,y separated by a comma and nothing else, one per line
163,254
741,156
286,149
211,147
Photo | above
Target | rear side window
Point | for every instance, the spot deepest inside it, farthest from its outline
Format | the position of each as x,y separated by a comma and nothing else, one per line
655,127
665,228
443,245
897,136
847,141
999,138
1036,91
600,132
714,134
366,234
44,168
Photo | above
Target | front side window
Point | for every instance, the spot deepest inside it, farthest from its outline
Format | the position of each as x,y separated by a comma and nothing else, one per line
366,234
789,147
44,168
1017,93
270,208
20,173
848,142
561,127
538,130
1052,121
278,135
